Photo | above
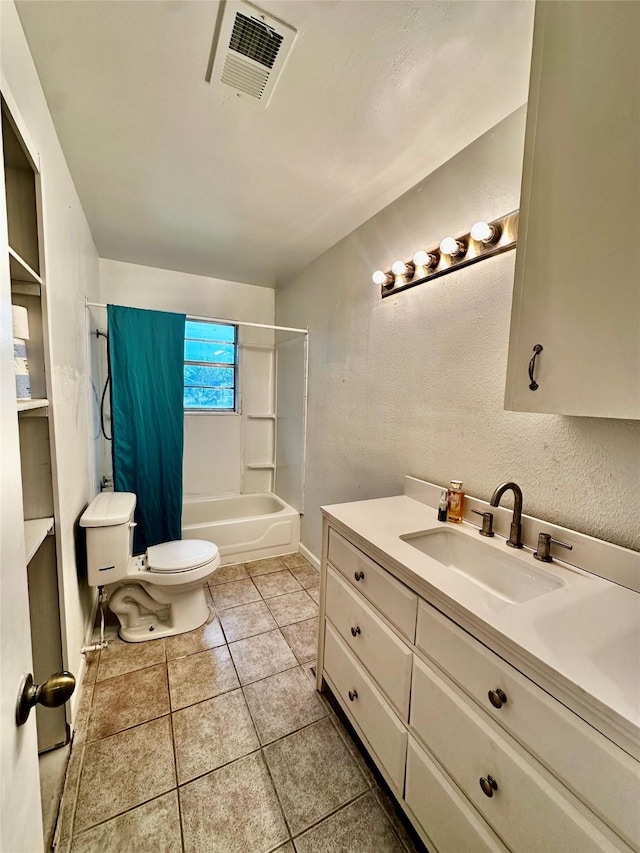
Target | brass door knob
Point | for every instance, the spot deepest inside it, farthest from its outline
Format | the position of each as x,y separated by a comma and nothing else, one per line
53,692
488,785
355,631
498,698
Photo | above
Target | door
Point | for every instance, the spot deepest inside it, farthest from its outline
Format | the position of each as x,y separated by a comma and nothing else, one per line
20,810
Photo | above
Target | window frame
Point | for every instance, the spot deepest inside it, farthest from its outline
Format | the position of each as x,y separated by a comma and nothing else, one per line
192,410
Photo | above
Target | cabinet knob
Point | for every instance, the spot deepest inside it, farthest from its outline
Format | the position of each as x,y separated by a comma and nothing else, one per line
355,631
498,698
488,785
359,576
353,695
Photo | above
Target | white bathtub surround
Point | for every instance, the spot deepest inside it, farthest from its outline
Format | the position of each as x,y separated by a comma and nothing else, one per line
215,446
244,527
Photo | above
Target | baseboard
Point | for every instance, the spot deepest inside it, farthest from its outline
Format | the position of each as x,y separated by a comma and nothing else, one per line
82,665
309,556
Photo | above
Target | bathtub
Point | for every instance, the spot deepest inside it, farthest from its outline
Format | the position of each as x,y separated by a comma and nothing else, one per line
244,527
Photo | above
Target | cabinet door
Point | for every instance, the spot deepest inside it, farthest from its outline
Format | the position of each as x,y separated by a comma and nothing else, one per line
577,280
364,703
446,817
530,811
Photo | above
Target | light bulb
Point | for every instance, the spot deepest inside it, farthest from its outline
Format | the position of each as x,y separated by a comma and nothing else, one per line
400,268
382,278
423,259
451,246
482,232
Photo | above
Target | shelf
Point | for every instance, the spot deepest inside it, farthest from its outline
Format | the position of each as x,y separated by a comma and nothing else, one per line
29,405
263,465
36,531
265,417
20,270
24,288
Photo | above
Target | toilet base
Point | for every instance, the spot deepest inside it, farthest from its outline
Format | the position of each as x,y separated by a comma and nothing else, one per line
142,618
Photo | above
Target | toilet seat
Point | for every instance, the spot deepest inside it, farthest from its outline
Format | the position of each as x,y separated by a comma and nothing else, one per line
182,555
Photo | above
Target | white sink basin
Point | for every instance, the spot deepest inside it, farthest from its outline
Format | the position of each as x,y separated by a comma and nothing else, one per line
505,575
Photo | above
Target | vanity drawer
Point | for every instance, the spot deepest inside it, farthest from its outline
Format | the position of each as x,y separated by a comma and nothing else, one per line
527,810
393,599
366,705
386,657
448,821
599,772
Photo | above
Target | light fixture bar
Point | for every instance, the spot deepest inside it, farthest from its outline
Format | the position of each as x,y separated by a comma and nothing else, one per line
499,236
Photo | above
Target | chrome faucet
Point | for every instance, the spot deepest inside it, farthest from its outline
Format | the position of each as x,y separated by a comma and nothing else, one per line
515,533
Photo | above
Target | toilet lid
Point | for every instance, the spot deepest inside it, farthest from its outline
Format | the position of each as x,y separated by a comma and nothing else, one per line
181,555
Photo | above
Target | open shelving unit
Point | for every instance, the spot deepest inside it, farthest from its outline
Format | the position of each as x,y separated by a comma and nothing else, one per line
31,405
35,532
20,269
35,423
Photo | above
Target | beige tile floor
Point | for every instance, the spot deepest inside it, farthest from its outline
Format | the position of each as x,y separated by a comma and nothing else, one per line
217,740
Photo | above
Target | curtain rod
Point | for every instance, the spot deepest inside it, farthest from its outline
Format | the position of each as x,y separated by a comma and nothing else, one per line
88,304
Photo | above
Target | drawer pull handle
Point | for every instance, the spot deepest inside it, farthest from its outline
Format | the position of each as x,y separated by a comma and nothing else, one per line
488,785
353,695
498,698
359,576
355,631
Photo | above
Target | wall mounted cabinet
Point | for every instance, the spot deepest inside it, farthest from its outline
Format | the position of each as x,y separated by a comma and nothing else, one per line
577,280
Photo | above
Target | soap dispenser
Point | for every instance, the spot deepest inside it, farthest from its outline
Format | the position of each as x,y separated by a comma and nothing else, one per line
442,506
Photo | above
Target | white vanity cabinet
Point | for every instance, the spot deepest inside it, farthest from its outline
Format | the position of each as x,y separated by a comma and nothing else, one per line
577,278
479,757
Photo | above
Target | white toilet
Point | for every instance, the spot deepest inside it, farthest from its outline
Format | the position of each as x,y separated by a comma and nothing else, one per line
158,594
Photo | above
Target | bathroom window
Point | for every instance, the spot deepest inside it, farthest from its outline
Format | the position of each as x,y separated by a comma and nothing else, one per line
210,366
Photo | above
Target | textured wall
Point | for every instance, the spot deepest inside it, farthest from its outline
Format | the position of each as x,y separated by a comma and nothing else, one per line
414,384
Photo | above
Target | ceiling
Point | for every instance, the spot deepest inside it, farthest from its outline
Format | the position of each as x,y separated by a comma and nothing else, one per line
177,173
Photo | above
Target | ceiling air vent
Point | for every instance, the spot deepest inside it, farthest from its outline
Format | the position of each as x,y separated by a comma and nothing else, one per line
250,51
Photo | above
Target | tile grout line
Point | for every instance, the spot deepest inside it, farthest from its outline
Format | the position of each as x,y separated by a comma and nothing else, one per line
175,768
262,755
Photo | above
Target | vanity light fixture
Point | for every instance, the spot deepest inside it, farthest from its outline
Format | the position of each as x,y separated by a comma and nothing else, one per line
425,259
382,278
452,247
485,240
482,232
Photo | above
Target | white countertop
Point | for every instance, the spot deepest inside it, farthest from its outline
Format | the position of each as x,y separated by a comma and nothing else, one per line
580,642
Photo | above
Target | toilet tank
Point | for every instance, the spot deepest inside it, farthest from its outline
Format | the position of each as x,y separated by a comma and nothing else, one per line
109,523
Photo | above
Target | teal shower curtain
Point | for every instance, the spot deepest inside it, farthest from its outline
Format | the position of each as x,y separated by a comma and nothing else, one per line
146,358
